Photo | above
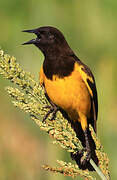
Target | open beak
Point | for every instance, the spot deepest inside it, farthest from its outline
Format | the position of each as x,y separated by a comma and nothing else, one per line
33,41
30,31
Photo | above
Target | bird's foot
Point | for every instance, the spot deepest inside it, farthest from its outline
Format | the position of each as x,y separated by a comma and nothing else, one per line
85,157
82,158
78,154
87,150
52,109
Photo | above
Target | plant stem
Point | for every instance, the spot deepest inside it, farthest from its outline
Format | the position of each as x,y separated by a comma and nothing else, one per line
97,169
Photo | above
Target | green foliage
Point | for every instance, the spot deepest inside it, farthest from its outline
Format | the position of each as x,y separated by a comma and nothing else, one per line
31,99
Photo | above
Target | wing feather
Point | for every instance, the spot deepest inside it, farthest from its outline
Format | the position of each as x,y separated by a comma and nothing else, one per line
89,80
91,85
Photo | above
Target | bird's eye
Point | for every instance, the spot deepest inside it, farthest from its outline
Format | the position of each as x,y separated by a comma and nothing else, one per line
51,36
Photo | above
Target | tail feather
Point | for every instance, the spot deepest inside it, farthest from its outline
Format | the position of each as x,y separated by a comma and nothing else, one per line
80,135
77,157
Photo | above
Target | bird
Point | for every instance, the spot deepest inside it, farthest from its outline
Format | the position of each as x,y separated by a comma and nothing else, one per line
69,86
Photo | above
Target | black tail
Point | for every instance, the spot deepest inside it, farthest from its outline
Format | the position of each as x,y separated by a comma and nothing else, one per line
80,135
77,157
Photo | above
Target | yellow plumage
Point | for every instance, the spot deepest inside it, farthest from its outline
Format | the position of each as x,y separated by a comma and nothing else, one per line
71,93
70,85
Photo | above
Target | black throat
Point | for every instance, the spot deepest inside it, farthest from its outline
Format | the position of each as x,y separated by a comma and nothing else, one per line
60,65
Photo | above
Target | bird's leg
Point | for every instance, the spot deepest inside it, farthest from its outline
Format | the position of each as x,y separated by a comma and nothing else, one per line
88,149
52,109
84,126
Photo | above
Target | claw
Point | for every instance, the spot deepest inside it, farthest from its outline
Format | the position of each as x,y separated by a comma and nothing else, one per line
87,149
86,159
48,113
47,107
53,109
77,155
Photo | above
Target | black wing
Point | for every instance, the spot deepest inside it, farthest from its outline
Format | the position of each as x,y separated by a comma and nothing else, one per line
91,85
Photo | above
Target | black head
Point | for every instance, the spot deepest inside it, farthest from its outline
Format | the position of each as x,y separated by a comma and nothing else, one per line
49,39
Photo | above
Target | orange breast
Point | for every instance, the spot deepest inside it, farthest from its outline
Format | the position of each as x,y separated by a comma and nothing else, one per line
69,93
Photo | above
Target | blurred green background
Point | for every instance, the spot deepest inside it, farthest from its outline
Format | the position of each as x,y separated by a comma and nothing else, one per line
90,27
